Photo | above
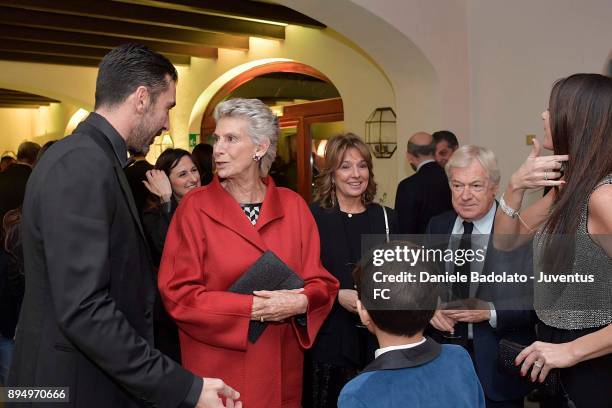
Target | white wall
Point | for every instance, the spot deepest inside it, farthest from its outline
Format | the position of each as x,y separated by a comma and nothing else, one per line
517,50
37,125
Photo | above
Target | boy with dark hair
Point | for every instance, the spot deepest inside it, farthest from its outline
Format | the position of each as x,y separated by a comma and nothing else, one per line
409,370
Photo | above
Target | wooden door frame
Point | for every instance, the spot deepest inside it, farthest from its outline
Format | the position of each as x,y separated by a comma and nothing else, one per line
300,115
208,122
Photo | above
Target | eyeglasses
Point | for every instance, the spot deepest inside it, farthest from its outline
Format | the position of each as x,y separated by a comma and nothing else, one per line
476,187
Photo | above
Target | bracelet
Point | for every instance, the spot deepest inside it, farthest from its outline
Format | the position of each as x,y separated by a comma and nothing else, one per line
509,211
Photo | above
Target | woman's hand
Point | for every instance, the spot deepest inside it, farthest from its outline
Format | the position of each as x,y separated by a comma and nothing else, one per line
544,357
348,299
538,171
158,184
278,305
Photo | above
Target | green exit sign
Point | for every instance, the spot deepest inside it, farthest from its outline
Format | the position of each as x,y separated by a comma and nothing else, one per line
193,140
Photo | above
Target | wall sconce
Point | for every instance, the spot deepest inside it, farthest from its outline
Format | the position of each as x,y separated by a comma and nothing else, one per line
160,143
167,142
381,132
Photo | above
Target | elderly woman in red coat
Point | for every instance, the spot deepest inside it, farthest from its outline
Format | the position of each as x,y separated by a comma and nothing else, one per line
217,233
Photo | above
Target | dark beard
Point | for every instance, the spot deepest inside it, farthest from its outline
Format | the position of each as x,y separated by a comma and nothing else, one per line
140,139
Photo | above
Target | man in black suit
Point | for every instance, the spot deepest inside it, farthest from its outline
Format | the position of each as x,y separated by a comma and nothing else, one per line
495,311
14,179
86,320
424,194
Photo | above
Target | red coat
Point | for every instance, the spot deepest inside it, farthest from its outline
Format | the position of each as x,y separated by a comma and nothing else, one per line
210,243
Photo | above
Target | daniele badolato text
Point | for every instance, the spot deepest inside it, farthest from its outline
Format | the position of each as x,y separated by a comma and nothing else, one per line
413,254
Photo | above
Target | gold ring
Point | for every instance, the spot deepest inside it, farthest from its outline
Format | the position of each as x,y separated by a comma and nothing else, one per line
261,319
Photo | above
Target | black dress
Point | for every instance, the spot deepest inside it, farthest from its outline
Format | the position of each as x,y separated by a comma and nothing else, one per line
342,347
155,222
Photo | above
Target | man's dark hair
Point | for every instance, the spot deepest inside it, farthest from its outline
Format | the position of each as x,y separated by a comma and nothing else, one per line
126,68
411,305
422,150
447,135
27,152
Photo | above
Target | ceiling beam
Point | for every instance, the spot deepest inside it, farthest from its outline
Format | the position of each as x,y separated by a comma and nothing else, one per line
96,54
99,41
134,13
34,99
22,102
47,59
17,106
134,31
236,8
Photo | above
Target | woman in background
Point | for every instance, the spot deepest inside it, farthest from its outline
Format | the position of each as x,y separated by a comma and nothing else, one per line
344,210
203,158
173,176
571,226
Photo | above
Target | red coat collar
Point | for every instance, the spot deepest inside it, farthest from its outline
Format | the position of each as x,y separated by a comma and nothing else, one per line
225,210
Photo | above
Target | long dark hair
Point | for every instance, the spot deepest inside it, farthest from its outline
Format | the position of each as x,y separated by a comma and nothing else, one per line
203,158
166,162
170,158
580,110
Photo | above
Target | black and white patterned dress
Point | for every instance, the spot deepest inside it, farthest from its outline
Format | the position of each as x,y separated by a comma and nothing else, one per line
252,211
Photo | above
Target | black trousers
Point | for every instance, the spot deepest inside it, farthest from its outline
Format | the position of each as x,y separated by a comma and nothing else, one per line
323,383
587,384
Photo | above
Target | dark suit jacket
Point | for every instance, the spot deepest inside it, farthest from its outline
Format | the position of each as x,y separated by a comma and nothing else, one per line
86,320
514,325
12,187
135,174
425,376
420,197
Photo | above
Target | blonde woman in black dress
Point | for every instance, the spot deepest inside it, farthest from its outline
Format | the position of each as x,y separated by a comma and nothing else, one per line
344,210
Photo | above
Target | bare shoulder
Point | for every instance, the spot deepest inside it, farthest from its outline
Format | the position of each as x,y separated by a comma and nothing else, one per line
600,216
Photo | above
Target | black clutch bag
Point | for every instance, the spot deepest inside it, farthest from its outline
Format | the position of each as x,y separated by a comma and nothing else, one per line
269,272
508,350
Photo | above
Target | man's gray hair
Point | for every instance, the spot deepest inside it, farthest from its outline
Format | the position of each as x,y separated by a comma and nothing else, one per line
262,124
465,155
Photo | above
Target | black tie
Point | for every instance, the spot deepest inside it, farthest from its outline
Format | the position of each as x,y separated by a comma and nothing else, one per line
462,289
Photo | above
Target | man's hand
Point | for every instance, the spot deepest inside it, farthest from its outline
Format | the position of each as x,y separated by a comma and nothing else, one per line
213,391
476,311
442,322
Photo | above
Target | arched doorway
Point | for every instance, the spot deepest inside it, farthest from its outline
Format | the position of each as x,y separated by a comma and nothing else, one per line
310,111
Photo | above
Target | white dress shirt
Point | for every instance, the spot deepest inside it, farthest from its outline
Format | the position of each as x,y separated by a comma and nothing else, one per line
480,237
383,350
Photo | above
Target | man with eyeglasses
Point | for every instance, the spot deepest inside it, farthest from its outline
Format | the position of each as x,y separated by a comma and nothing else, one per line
474,321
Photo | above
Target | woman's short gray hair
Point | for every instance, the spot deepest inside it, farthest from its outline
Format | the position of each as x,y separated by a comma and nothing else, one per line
465,155
262,124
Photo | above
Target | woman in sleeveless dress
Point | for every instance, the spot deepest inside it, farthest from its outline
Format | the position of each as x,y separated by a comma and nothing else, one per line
571,227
